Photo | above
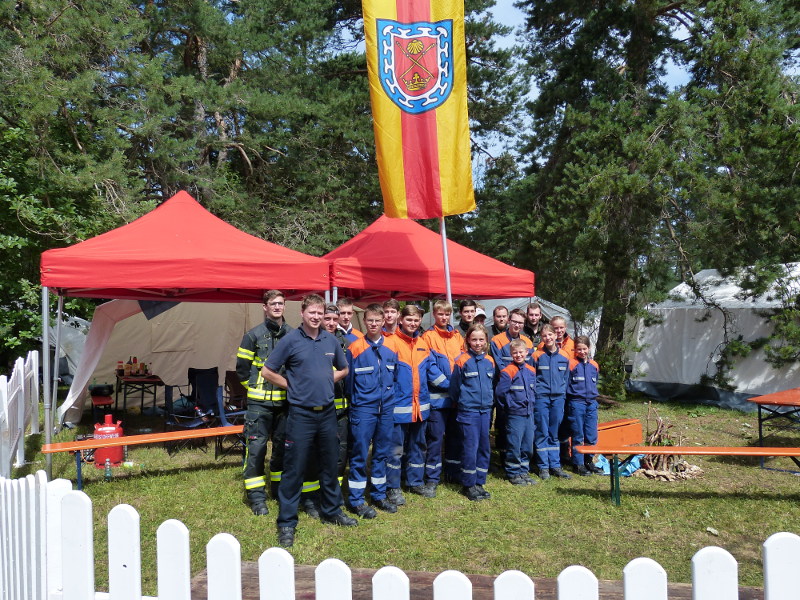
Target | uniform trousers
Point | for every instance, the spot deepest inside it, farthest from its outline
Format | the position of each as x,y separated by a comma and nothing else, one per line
262,423
582,418
519,444
435,440
309,433
475,449
548,415
368,427
408,454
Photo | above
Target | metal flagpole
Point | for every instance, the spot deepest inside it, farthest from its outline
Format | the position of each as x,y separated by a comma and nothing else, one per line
443,231
46,377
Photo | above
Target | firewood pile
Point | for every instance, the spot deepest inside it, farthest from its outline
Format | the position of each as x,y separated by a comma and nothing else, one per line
666,467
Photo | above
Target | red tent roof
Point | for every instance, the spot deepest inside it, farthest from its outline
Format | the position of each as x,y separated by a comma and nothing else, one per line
401,259
180,251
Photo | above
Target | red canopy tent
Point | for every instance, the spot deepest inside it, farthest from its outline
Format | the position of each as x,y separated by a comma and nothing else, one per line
399,258
180,252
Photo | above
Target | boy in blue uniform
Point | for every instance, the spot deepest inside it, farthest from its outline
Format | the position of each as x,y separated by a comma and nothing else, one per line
582,405
314,362
516,395
471,388
370,387
552,372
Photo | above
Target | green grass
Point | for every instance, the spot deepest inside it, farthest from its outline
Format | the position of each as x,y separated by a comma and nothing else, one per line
539,530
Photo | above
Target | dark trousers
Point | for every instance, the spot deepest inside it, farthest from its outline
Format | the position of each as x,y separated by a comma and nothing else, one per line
408,455
548,415
475,451
309,433
368,427
262,422
582,418
435,438
519,448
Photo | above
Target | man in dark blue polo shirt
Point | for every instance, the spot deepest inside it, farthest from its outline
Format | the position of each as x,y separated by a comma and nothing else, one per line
309,355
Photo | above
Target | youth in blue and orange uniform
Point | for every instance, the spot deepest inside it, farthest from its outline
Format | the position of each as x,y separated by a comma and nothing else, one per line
441,432
582,407
416,371
501,347
472,391
370,387
552,371
516,394
349,333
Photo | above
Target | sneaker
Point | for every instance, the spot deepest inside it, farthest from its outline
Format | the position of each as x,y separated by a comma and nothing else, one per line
472,493
421,490
365,511
594,469
518,480
431,487
340,519
529,479
544,474
384,505
583,471
310,508
561,473
285,537
259,509
395,496
484,494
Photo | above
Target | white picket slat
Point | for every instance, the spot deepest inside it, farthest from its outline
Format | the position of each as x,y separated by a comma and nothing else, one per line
781,572
452,585
333,580
224,567
124,553
56,490
77,546
644,579
275,575
173,561
26,531
514,585
40,541
577,583
390,583
715,575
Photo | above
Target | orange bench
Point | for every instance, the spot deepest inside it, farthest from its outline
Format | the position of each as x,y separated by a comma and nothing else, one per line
622,432
631,451
135,440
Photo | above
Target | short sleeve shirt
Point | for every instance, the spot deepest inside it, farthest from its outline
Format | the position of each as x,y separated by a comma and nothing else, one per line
309,364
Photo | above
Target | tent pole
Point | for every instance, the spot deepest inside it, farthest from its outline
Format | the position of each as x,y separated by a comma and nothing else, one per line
46,376
335,294
327,296
443,230
56,357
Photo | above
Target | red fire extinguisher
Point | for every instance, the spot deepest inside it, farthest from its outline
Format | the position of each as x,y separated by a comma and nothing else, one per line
108,429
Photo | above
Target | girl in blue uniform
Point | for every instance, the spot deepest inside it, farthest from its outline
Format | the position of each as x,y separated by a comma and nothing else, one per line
472,393
582,405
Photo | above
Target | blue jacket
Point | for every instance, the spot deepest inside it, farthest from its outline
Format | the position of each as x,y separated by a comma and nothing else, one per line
416,371
373,370
552,372
583,380
471,382
516,389
446,345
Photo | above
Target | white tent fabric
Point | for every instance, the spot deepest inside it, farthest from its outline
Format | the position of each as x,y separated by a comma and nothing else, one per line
683,346
191,334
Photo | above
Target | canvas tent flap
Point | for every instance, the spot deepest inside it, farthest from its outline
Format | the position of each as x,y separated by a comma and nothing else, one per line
681,348
398,258
180,251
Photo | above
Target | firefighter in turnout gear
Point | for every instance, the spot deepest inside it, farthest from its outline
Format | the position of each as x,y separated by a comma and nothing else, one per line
266,403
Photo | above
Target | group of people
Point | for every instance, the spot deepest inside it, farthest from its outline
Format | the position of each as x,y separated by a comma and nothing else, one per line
396,404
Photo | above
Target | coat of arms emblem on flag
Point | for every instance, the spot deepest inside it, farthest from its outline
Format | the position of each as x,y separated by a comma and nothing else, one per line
416,63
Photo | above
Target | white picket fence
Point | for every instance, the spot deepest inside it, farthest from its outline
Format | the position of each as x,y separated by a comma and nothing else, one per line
47,553
19,409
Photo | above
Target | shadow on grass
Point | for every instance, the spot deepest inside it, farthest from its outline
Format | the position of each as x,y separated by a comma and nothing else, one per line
682,494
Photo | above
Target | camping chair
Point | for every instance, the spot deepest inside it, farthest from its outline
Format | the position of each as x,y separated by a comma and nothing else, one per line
202,399
226,418
235,392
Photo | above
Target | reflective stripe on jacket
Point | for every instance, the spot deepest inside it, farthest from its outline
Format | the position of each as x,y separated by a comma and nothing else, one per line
257,344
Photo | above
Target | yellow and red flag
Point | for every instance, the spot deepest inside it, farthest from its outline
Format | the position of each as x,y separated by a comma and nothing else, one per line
418,86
